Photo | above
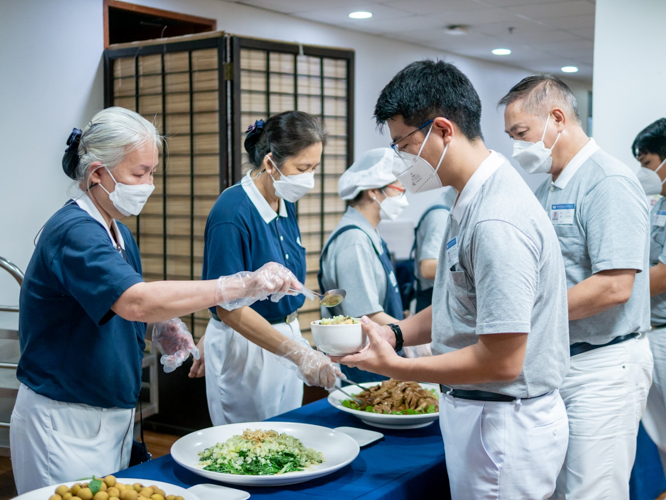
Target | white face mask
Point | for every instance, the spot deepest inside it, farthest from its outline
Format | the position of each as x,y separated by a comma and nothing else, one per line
535,157
650,180
391,207
419,176
292,187
129,199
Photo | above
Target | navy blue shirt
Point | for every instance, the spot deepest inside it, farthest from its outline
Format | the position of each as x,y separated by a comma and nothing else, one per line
74,349
243,233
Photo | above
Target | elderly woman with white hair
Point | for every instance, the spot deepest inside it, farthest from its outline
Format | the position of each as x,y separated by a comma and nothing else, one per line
355,257
84,308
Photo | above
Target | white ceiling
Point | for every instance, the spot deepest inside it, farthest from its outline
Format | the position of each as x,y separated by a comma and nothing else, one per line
547,34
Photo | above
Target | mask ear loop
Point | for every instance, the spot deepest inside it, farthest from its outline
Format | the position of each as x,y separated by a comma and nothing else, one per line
544,135
657,170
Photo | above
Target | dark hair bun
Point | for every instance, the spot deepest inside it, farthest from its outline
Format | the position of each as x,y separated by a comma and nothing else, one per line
70,160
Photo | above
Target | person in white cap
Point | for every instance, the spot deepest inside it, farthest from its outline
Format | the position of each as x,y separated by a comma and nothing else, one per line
355,257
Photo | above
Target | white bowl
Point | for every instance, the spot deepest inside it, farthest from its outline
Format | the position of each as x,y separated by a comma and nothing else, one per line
338,340
397,422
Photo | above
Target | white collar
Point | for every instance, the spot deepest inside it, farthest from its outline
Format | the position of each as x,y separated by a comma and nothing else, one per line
576,162
260,203
86,204
474,184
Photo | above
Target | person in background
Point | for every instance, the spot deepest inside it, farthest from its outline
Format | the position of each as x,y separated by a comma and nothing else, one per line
254,357
498,323
356,258
428,236
649,148
84,308
600,215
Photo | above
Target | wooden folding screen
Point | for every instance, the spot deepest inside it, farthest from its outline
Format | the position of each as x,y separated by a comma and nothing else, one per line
202,92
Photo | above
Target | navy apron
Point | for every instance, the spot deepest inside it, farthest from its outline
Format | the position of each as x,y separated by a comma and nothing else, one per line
423,297
392,302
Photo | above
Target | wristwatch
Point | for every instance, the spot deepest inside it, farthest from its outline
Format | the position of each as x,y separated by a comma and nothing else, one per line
398,336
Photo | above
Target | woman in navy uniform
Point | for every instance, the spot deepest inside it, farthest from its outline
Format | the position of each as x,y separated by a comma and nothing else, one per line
84,308
255,357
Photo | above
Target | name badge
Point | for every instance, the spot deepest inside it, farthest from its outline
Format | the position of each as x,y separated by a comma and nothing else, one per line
452,252
562,214
660,218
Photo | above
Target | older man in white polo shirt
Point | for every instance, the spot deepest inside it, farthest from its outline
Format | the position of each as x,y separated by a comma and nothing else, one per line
600,214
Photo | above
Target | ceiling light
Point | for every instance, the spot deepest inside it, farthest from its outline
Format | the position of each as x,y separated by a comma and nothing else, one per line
501,52
570,69
360,15
456,29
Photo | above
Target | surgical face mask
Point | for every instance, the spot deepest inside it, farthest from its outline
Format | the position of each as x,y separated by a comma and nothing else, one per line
535,157
292,187
650,180
391,207
129,199
419,176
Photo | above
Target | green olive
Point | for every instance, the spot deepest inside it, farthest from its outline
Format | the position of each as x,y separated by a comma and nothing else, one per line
85,494
61,490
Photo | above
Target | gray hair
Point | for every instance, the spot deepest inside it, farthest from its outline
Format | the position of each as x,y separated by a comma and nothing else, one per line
540,93
110,136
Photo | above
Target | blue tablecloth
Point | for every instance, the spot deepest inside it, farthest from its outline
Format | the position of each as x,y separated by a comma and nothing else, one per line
647,478
404,464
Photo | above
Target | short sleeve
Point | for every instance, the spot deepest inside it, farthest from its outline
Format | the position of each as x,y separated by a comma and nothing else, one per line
616,223
92,270
506,275
431,234
354,268
227,251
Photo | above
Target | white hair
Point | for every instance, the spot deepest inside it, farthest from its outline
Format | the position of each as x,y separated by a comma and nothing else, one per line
110,136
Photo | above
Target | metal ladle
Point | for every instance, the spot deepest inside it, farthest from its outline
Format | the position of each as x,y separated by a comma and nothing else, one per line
331,298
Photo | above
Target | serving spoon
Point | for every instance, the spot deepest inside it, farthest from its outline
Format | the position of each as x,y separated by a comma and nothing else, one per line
331,298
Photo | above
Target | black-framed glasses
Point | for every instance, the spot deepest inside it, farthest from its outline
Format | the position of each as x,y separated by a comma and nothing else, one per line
394,145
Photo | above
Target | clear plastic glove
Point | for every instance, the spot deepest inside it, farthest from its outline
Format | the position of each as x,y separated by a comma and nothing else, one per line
174,342
314,368
245,288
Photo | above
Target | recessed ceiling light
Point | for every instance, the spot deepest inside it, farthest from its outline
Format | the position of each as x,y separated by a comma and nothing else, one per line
570,69
501,52
360,15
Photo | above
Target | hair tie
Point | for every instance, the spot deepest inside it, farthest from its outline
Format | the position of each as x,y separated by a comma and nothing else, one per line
74,139
70,160
256,128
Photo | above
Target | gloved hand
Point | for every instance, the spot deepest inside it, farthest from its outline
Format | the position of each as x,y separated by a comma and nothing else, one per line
245,288
314,368
174,342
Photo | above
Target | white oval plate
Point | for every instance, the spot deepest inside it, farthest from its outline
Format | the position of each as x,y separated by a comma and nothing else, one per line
169,489
337,448
398,422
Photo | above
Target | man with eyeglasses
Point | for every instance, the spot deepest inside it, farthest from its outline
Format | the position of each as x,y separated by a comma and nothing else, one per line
498,320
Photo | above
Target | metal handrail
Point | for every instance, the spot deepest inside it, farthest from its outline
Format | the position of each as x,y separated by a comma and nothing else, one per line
12,269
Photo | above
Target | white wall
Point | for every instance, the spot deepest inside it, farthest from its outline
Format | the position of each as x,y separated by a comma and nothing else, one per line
629,72
51,81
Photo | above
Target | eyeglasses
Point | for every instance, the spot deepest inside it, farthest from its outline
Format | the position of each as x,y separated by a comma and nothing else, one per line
394,145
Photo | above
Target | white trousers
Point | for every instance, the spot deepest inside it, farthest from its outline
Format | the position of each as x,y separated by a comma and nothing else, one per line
654,418
605,393
53,442
245,383
503,450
